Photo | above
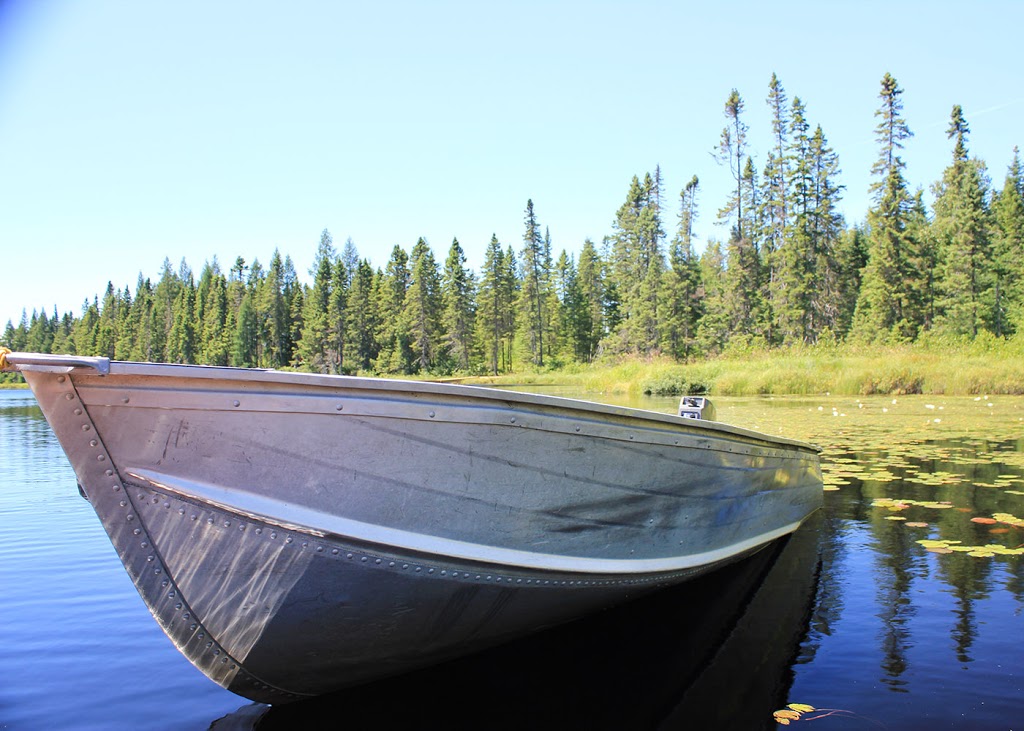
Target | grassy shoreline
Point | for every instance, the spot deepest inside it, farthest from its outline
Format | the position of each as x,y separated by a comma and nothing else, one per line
965,370
986,365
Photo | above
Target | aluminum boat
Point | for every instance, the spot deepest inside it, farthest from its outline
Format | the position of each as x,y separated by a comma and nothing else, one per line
298,533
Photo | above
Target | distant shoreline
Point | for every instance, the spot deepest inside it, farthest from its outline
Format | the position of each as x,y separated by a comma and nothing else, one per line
899,370
981,367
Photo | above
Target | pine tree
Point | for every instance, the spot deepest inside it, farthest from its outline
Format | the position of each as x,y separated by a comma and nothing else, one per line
637,268
682,309
713,329
491,306
212,336
574,311
885,307
245,338
457,295
314,349
533,294
181,345
591,279
775,199
395,355
732,152
106,326
336,316
350,259
827,226
741,289
1008,252
961,228
62,333
137,341
423,308
164,296
363,322
39,338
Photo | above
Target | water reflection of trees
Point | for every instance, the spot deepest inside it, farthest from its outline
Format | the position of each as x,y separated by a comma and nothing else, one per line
901,564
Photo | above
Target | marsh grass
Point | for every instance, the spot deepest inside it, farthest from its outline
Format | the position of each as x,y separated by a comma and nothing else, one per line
986,365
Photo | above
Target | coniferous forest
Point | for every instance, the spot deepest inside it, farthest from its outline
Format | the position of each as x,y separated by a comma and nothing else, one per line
791,271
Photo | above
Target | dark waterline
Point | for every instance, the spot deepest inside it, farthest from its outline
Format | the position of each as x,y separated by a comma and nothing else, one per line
851,613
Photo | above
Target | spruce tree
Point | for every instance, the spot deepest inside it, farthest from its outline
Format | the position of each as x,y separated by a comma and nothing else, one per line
533,292
961,228
164,296
1008,252
362,321
827,227
245,338
885,307
336,315
775,199
395,354
106,326
181,345
490,314
313,350
713,329
591,278
682,309
731,151
422,313
637,268
457,294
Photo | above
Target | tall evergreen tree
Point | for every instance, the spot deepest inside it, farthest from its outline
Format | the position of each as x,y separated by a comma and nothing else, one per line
213,334
423,308
181,345
682,309
886,304
1008,252
337,321
350,258
775,199
574,311
395,354
637,268
246,335
961,227
493,305
164,296
713,329
313,350
363,322
534,288
732,147
457,294
591,278
827,226
106,326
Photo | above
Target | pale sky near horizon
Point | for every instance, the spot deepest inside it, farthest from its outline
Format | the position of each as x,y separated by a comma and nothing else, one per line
135,131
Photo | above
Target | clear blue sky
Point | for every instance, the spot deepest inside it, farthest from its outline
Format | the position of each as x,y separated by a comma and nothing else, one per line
133,131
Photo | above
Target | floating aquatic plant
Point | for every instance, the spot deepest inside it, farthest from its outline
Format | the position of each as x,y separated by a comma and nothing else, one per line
803,712
987,551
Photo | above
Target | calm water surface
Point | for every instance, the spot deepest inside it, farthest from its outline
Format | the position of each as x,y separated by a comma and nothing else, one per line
853,613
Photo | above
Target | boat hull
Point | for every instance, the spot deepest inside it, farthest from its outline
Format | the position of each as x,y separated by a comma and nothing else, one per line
295,533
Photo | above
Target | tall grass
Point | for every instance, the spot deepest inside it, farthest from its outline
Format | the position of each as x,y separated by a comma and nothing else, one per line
986,365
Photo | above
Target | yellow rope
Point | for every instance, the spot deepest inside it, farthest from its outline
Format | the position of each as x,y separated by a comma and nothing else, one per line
3,357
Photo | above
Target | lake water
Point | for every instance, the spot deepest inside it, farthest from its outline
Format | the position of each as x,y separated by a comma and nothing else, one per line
853,615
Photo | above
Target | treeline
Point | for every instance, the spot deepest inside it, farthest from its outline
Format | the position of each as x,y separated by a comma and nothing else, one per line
790,271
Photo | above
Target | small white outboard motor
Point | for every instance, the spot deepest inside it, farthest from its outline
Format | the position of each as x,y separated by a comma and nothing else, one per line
696,407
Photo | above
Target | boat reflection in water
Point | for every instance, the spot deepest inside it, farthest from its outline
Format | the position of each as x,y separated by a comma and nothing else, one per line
714,653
